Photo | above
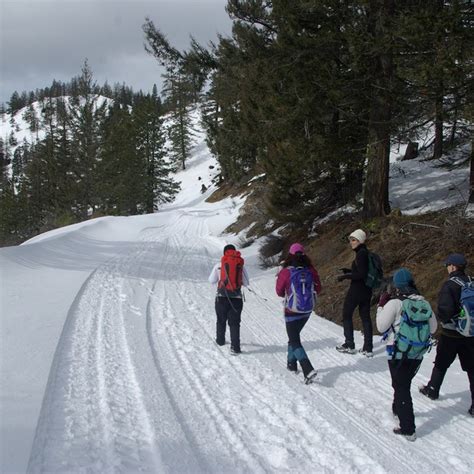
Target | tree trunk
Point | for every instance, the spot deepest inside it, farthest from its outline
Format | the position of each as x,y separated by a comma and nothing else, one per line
438,141
376,201
411,152
471,176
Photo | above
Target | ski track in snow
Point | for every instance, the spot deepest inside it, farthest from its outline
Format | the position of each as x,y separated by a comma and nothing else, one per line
138,385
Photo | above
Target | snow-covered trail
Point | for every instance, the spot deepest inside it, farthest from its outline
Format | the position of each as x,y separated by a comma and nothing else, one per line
138,385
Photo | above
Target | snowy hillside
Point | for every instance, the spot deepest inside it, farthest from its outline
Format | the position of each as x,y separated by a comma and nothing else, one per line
18,125
109,364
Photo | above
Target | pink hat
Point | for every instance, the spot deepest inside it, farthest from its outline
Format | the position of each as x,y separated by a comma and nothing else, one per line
295,248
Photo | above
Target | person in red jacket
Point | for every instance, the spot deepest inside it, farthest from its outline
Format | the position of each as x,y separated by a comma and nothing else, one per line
298,282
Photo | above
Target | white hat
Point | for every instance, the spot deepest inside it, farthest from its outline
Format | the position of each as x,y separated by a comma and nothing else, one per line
360,235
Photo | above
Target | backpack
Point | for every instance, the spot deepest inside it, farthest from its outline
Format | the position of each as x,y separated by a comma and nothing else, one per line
465,320
230,280
413,337
375,273
301,296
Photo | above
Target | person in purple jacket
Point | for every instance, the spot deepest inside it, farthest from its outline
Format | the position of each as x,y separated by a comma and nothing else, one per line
298,282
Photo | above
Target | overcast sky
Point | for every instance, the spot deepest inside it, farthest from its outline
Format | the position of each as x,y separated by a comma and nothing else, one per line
42,40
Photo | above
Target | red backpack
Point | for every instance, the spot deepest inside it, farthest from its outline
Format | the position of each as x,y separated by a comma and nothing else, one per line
230,280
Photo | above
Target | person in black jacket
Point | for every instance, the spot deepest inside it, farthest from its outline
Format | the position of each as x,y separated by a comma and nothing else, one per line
451,343
358,295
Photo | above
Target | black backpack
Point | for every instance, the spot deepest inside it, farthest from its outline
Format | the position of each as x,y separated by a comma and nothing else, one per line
375,273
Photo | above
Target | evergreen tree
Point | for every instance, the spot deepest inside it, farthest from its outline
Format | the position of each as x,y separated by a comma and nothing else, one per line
179,131
150,144
120,168
86,121
30,116
15,103
179,89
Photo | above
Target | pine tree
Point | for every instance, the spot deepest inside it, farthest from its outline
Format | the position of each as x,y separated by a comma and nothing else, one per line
121,168
180,88
30,116
86,121
180,134
150,144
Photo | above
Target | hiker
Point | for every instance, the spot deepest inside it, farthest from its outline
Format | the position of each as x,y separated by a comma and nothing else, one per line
298,282
451,342
229,274
358,295
408,321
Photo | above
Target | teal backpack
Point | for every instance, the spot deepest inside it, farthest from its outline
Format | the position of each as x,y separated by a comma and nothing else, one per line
413,338
375,273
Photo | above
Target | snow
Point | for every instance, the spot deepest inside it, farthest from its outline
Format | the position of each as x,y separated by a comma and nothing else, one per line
20,127
419,186
109,364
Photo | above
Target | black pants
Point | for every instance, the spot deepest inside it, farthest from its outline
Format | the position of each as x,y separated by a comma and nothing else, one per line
228,310
361,299
450,347
296,351
402,373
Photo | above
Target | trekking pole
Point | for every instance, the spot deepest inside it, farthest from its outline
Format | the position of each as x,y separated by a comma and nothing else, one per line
256,294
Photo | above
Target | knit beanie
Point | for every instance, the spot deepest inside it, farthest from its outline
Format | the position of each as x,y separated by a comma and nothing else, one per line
360,235
229,247
295,248
403,278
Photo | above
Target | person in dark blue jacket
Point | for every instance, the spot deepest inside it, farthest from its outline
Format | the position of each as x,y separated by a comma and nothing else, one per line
451,343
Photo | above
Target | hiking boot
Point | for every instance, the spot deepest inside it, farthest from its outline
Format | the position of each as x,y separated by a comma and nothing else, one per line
310,377
292,367
407,436
346,348
235,350
368,354
220,343
471,410
429,391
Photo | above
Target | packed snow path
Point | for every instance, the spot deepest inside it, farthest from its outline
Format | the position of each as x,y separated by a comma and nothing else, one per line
138,385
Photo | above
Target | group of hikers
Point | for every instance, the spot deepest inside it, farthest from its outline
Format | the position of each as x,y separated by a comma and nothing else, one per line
404,317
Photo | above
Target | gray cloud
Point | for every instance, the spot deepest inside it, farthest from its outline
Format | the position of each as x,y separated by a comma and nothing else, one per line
45,40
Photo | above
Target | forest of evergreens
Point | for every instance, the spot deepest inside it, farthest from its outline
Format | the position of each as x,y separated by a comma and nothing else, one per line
311,92
314,92
97,152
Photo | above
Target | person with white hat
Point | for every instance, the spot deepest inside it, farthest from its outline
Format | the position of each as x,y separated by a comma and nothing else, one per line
358,296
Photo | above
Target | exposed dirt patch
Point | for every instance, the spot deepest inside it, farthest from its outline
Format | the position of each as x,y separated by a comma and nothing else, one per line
419,243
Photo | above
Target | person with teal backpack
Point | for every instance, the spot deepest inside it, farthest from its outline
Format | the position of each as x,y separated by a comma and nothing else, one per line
407,322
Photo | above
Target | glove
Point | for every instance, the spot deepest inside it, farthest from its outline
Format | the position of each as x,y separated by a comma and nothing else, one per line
345,270
384,297
342,277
